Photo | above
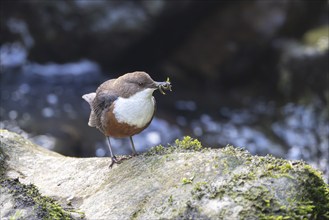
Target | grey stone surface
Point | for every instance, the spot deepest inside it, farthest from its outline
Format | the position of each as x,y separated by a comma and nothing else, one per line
179,182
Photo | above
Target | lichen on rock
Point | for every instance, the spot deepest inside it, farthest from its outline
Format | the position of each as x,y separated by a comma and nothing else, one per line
187,144
180,181
28,203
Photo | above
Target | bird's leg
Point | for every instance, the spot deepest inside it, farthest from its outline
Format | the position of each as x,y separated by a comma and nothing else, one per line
133,146
113,158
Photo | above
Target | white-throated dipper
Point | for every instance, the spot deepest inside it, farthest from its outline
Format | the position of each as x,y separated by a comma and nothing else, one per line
124,106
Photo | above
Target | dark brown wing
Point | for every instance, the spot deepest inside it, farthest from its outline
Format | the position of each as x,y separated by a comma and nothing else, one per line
103,100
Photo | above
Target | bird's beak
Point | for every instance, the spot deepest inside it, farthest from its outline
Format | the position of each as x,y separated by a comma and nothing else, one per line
163,86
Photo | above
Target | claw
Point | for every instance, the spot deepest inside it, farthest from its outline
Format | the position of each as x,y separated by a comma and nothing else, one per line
114,160
118,161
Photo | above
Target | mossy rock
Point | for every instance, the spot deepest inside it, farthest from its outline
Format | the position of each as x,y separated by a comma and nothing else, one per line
180,181
28,203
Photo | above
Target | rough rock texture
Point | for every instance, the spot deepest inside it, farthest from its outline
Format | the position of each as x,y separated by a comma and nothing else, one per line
179,182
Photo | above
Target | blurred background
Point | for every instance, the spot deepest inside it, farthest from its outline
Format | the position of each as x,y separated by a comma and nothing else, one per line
253,74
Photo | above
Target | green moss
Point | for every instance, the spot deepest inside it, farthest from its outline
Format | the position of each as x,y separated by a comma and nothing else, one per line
156,150
191,212
186,144
200,189
28,196
309,200
187,180
264,201
170,200
245,176
315,195
17,215
3,165
199,186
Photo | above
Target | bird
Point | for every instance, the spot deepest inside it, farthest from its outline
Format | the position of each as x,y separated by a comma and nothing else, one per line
124,106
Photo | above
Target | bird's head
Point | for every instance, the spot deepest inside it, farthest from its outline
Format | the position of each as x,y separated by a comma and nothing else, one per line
138,81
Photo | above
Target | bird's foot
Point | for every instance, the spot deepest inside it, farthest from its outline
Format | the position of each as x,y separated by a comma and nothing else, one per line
114,160
118,161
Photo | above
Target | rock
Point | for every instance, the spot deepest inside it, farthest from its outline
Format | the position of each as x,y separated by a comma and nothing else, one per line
304,66
19,201
181,181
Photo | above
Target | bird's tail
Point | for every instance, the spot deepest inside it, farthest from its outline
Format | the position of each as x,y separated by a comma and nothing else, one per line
92,118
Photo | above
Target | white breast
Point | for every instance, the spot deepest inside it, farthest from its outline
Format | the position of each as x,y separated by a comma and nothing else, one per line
136,110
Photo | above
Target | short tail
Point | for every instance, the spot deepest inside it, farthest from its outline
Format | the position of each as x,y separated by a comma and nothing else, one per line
89,97
92,118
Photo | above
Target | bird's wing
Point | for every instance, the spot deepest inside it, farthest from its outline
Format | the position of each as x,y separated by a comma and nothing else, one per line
99,102
100,105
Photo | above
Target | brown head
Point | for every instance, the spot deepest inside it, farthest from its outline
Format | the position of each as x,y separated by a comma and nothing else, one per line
134,82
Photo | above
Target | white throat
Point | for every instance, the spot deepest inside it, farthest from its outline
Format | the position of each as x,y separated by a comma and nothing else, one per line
136,110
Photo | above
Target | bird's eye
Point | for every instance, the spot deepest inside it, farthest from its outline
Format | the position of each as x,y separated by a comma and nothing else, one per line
141,84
